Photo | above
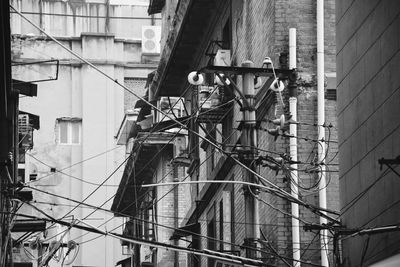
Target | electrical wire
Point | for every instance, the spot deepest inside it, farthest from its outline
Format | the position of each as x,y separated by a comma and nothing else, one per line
274,189
352,202
167,217
275,208
281,193
69,175
144,167
143,241
77,163
162,179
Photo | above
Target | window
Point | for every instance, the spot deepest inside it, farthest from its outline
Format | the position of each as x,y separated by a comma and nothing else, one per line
226,35
21,173
69,131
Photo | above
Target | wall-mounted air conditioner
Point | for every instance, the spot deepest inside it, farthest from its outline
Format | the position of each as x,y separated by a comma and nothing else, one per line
209,97
174,107
151,36
23,123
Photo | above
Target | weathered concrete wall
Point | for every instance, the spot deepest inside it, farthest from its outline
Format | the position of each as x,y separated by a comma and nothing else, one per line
368,113
72,18
79,92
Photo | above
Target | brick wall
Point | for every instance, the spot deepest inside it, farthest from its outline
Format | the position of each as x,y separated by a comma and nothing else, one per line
136,85
262,28
259,29
368,114
167,215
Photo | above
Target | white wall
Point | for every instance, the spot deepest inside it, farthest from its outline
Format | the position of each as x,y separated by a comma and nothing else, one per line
81,92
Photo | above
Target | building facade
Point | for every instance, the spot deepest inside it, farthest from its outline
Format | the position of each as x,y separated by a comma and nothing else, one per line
230,221
368,119
75,158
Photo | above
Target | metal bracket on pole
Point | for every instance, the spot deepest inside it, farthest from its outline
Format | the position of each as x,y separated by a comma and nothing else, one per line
389,162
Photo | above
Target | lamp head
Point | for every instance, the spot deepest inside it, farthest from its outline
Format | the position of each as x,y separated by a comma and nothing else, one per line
195,78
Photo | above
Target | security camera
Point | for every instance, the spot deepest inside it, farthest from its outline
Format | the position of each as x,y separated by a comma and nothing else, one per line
195,78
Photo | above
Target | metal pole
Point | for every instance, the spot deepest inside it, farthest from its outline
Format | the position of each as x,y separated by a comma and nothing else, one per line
321,130
293,153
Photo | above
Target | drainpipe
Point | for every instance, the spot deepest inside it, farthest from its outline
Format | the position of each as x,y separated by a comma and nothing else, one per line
321,130
293,152
176,211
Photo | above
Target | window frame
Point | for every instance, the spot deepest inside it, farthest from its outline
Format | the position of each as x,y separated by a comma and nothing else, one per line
69,123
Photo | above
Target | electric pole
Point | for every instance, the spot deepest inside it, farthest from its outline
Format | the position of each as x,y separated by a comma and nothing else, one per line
249,142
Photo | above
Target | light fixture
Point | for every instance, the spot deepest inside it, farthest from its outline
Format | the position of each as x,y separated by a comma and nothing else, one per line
195,78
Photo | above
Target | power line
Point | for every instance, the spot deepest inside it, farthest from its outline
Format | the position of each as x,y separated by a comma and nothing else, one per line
166,175
77,163
362,193
142,196
274,189
226,257
164,216
155,156
69,175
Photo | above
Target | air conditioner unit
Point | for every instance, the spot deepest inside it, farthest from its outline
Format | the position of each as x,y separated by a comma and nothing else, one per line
174,107
208,97
223,57
151,36
23,124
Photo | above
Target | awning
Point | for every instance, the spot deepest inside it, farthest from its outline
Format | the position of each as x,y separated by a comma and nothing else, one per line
125,130
28,226
125,262
155,6
139,168
185,44
25,88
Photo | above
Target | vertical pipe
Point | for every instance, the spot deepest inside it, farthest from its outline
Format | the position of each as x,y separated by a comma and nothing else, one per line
176,211
321,130
293,155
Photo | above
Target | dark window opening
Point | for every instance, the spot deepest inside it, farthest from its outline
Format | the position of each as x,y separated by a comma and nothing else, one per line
226,35
221,224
